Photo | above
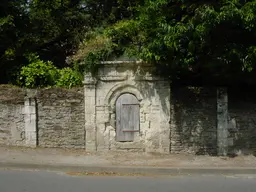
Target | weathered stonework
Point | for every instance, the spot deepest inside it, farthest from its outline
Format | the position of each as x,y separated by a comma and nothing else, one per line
242,121
46,117
12,125
222,121
194,125
153,94
61,118
30,116
193,120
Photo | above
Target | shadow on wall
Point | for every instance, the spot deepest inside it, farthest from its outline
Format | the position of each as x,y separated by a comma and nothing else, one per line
242,124
154,90
195,120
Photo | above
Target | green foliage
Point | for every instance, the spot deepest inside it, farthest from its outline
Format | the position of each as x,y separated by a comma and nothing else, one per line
52,28
204,40
38,73
210,40
43,74
96,48
68,78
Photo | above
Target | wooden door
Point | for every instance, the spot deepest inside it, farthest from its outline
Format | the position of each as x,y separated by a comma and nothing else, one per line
127,117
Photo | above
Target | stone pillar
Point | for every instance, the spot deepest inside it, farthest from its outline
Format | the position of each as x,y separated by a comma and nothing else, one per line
90,112
30,117
222,121
165,117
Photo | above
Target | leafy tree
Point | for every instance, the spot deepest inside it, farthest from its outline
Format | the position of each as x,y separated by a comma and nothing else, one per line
13,19
51,28
192,40
210,41
57,28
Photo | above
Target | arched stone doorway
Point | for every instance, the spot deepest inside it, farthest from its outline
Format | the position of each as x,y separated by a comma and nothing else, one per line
127,108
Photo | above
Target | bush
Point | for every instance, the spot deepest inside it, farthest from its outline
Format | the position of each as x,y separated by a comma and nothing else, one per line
43,74
37,73
68,77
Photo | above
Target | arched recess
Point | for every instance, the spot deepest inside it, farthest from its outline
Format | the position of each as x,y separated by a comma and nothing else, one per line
119,89
127,117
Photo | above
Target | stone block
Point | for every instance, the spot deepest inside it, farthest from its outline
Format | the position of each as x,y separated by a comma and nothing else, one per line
145,125
102,118
100,101
100,109
114,78
155,109
89,120
89,93
29,110
90,110
109,71
89,101
31,138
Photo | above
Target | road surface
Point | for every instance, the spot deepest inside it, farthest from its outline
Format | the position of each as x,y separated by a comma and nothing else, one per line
40,181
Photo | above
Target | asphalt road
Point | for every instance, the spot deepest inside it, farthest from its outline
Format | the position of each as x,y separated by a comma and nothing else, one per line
40,181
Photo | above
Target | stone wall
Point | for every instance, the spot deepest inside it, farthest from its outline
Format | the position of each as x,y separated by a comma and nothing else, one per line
61,118
194,121
176,120
12,125
193,126
45,117
242,121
